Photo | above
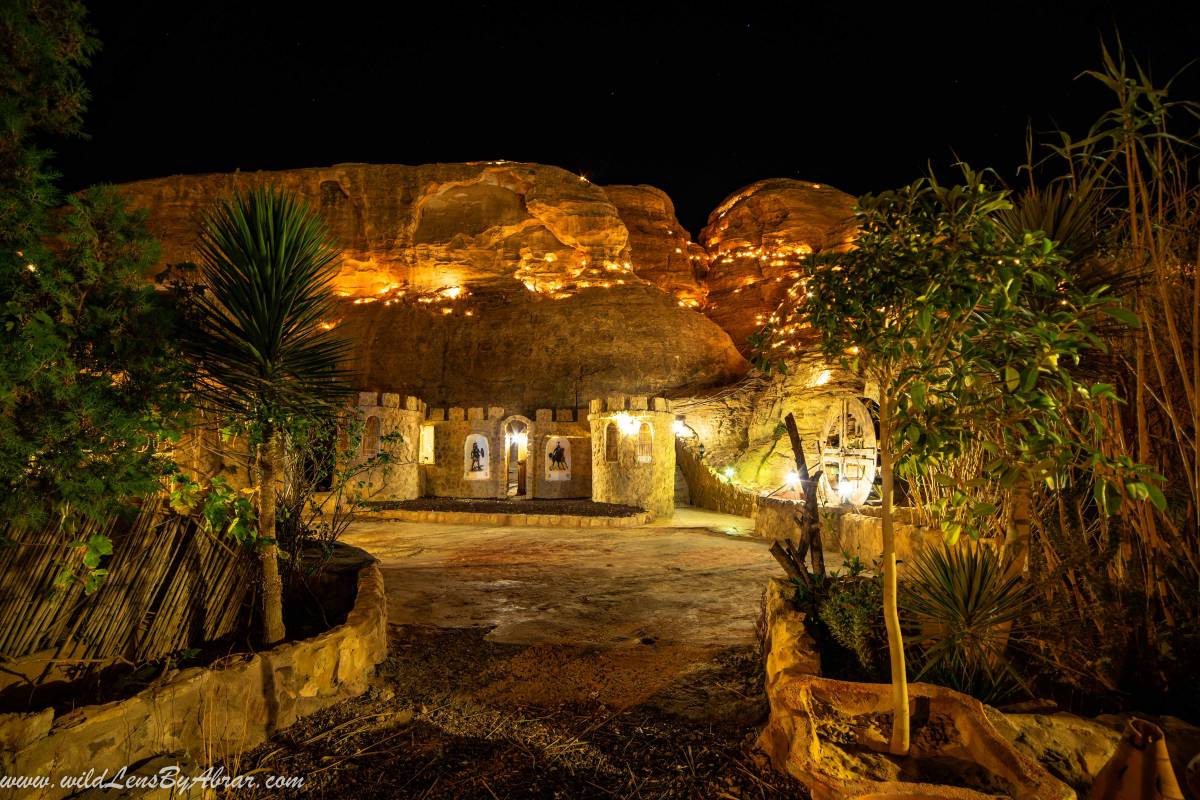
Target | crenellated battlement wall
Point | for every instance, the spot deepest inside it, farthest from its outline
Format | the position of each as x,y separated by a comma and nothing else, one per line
633,452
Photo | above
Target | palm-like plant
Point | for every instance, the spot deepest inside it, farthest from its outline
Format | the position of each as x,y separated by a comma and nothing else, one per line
969,610
264,352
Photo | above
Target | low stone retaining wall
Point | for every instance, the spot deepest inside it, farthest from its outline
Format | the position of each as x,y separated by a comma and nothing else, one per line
774,519
511,520
862,535
858,532
707,489
209,713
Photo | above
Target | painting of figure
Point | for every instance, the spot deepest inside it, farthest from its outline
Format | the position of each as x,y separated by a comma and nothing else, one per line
476,462
558,459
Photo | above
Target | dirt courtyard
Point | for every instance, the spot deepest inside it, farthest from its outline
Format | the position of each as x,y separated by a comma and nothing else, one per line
534,662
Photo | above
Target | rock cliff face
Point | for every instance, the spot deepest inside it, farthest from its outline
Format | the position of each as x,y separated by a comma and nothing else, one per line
427,227
522,284
662,252
524,350
757,240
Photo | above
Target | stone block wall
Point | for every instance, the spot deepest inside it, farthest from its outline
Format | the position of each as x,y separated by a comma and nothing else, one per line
403,415
447,475
571,427
626,478
862,535
709,490
774,519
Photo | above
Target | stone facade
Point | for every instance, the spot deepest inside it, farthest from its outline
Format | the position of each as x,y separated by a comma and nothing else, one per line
448,474
552,427
633,452
386,414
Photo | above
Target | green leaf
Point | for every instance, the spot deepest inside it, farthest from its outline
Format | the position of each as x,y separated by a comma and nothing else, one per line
1123,315
100,544
917,395
1012,379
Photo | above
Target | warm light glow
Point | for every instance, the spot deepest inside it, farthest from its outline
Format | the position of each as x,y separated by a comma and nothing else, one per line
845,489
520,439
792,479
822,378
628,424
681,429
452,292
728,473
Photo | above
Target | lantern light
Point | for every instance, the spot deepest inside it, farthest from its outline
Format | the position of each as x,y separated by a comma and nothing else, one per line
629,425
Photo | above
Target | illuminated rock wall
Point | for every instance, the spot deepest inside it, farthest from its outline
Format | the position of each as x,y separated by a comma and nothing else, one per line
757,240
625,468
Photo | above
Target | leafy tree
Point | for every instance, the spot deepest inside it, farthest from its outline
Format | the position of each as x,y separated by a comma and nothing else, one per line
971,335
90,378
266,358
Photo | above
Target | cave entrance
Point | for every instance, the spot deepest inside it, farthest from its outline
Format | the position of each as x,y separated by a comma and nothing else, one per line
516,458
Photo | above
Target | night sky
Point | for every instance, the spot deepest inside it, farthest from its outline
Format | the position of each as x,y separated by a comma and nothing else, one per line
698,103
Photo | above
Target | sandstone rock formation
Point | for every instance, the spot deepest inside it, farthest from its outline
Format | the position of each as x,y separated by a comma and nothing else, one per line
524,350
756,241
662,252
523,284
426,227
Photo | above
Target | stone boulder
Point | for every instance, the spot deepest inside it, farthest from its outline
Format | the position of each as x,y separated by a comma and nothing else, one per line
756,241
525,351
1072,748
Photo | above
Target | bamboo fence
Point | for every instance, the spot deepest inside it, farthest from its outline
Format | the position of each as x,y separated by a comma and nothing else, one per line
170,585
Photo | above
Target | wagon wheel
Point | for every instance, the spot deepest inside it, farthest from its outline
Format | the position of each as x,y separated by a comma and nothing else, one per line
849,451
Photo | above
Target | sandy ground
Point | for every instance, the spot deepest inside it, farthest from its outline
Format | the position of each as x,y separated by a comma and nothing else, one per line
694,581
534,662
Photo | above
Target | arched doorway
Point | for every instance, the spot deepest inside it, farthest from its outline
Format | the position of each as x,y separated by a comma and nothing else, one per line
517,432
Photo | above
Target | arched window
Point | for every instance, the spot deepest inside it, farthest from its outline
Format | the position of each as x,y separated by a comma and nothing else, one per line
645,448
370,442
611,441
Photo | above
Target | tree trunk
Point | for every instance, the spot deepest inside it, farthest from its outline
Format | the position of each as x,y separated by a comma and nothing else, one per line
891,614
268,555
1016,540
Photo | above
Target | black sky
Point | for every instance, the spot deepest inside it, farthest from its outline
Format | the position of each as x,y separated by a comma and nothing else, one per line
693,101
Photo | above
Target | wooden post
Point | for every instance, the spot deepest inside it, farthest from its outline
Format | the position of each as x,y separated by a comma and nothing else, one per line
810,523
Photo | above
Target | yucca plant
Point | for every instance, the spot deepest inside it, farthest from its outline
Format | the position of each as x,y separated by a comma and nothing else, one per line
265,352
968,612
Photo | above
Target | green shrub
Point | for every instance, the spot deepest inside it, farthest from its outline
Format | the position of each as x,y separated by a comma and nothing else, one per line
853,613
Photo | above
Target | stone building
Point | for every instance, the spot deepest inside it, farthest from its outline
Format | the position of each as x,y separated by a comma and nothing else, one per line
622,451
